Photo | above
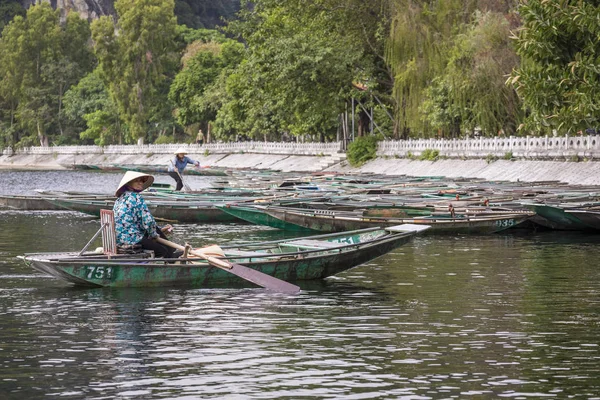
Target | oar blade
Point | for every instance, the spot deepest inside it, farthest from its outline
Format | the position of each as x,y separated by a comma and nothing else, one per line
262,279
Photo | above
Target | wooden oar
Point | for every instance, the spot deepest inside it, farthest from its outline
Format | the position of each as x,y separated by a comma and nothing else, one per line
249,274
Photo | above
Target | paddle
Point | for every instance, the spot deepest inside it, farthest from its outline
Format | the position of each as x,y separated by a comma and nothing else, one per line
249,274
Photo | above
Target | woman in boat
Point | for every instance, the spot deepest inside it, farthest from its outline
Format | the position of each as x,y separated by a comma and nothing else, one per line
134,224
178,164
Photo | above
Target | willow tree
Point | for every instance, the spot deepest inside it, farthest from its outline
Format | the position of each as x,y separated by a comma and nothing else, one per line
559,78
421,36
471,92
134,58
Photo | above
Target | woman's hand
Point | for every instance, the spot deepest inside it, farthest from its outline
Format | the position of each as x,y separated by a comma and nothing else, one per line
167,229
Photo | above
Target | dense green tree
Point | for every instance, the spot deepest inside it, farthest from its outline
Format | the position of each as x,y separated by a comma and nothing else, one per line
41,59
301,61
8,10
559,78
136,58
194,87
89,110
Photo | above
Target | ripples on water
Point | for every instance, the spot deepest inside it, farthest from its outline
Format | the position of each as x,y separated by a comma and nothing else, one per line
513,316
27,182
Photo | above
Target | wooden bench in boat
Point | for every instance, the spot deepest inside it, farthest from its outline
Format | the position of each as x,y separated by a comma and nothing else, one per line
310,244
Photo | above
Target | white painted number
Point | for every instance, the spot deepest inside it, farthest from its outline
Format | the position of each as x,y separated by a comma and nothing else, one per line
505,223
99,272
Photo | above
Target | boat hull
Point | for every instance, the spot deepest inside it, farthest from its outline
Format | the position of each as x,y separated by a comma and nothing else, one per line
331,222
188,214
306,265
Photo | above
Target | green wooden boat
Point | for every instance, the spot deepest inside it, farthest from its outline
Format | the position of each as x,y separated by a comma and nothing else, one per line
555,217
334,221
259,217
181,212
299,259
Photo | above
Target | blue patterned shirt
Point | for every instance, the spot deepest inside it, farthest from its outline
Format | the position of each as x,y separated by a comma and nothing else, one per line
133,220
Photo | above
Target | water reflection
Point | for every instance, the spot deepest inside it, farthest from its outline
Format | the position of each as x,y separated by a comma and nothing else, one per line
442,317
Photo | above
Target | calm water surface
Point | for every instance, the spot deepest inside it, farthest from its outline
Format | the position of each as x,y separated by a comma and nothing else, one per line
513,316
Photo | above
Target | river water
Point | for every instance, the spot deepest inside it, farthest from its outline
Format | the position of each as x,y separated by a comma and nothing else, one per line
514,315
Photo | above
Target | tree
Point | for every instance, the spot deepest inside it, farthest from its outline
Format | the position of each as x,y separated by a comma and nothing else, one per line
91,112
450,60
471,91
558,79
193,89
41,60
136,61
297,73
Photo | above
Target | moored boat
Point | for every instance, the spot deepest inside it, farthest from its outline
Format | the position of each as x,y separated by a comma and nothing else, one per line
299,259
188,212
332,221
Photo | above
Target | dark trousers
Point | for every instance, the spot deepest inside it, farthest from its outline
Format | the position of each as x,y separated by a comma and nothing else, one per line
177,178
160,250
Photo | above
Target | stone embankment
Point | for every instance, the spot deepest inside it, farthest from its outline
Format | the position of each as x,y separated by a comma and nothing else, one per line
564,159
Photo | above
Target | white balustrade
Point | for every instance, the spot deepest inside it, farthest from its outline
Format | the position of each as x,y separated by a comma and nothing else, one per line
528,147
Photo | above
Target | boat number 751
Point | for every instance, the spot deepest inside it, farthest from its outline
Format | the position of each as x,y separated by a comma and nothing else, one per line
99,272
505,223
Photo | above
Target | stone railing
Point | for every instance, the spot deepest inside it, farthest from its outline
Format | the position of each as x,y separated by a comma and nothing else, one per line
213,148
501,147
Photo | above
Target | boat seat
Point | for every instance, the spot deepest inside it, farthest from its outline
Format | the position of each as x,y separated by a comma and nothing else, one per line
310,244
244,253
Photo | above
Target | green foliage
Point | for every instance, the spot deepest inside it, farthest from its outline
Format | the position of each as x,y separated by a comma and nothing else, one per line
490,158
361,150
8,10
88,96
135,59
429,155
558,77
301,61
194,89
40,58
103,127
508,155
165,139
450,61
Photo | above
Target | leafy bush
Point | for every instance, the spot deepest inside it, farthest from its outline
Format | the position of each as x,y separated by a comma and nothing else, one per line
490,158
361,150
429,155
508,155
164,139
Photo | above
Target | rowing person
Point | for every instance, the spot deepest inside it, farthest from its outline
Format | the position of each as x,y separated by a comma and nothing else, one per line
178,164
134,224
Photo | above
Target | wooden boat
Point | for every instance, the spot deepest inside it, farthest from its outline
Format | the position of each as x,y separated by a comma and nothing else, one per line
333,221
299,259
555,217
25,202
590,218
170,211
259,217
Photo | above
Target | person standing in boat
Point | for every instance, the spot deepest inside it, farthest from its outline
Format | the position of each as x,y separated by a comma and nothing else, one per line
134,224
178,164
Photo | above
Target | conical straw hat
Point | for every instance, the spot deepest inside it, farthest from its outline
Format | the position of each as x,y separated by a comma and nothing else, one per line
181,150
131,175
